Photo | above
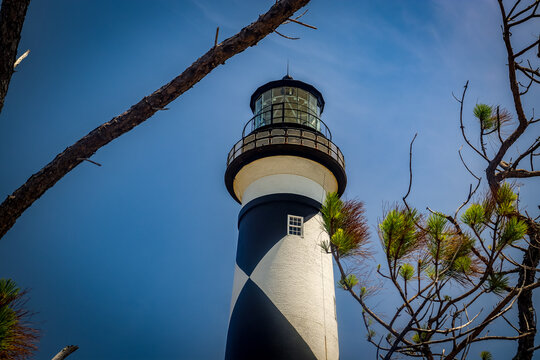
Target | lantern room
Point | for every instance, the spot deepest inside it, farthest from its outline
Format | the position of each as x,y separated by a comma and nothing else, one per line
286,102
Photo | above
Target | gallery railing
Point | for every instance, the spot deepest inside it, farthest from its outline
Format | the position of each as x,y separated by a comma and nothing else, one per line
286,136
279,114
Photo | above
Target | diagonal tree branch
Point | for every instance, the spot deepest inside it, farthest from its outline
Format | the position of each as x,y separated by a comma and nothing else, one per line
37,184
12,16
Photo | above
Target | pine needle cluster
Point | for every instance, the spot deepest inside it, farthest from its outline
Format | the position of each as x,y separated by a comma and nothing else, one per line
17,339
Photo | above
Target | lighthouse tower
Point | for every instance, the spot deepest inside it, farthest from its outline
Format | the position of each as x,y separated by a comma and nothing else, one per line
283,303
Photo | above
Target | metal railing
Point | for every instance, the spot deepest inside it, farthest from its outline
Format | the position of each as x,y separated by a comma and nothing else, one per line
279,114
291,136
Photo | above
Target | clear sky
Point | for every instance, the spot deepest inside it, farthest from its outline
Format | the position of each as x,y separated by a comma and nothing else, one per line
135,259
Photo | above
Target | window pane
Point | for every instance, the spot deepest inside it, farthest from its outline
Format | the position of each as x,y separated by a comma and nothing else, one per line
277,114
294,225
291,104
277,95
313,105
303,98
266,117
258,105
266,99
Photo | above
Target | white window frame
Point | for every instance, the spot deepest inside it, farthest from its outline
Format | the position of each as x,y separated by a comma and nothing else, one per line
290,225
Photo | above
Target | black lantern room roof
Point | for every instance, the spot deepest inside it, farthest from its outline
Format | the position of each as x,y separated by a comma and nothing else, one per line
287,80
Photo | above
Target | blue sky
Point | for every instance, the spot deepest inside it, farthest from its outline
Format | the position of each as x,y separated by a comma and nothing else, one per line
135,259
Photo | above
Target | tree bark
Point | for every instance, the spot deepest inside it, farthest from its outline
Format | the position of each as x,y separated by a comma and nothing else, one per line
526,313
65,352
37,184
12,16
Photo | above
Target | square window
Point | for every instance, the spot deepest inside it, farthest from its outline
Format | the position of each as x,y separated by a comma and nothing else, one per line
295,225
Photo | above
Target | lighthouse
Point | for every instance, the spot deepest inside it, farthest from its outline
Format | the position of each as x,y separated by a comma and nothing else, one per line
283,303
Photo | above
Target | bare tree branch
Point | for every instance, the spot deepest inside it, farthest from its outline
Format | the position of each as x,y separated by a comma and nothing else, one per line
514,87
303,24
12,16
529,73
509,17
21,58
65,352
286,37
37,184
518,173
518,54
410,169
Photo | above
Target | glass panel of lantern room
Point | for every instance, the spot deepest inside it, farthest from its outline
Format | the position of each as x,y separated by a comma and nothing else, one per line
258,117
303,101
313,120
258,105
313,105
291,105
266,107
277,105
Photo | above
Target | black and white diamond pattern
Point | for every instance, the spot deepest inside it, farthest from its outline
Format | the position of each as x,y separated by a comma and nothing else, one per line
279,306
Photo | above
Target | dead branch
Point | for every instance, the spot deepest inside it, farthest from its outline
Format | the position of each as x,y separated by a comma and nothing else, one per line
529,73
519,53
410,170
466,167
216,38
301,23
65,352
21,58
518,173
514,87
12,14
509,17
37,184
295,20
530,151
285,36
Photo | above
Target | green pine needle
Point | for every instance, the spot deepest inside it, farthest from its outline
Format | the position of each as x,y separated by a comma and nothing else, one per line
513,230
399,234
406,271
348,282
484,113
506,200
497,284
486,355
474,216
